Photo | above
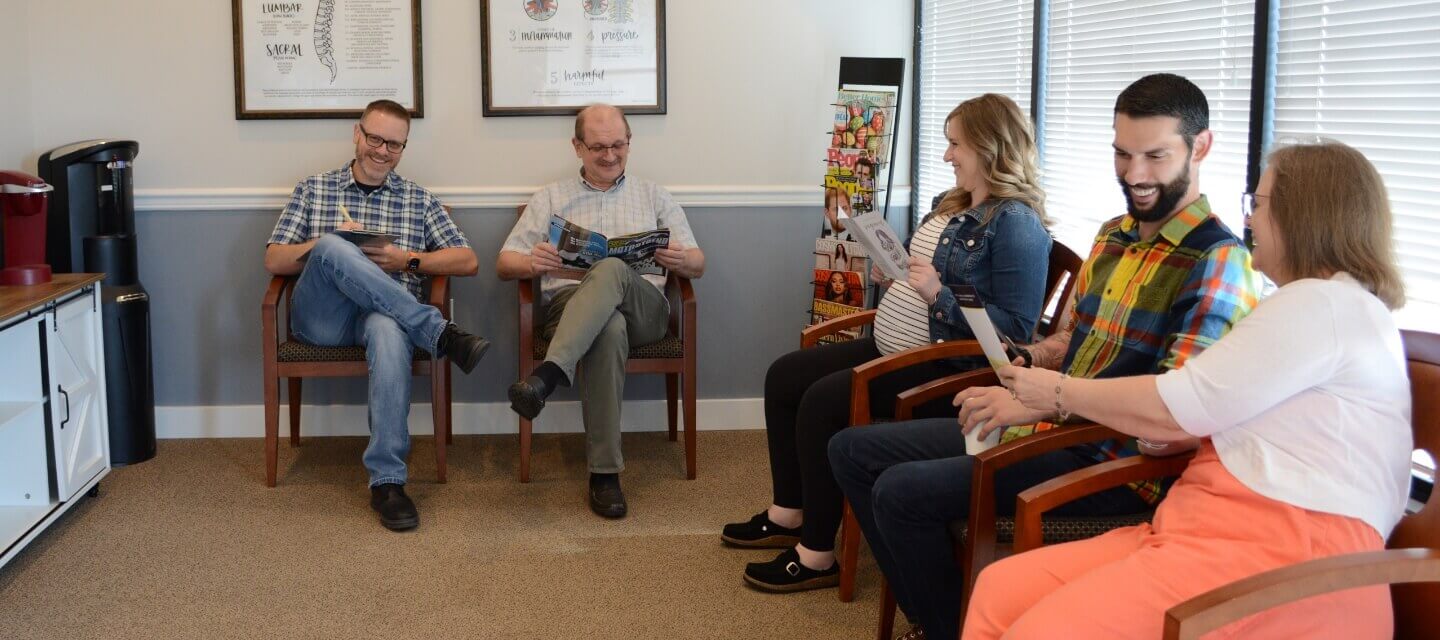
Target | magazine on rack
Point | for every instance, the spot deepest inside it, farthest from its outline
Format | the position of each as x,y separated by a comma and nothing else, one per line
581,248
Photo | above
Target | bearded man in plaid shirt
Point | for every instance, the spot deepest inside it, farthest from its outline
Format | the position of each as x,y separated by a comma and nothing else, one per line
369,296
1162,283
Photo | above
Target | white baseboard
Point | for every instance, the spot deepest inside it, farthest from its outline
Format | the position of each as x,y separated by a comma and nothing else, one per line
248,421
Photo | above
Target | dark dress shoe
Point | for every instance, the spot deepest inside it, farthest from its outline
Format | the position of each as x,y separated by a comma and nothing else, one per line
606,498
785,574
397,511
760,533
527,397
462,348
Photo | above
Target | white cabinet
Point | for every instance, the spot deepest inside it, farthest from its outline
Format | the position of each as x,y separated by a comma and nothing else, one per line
54,437
77,393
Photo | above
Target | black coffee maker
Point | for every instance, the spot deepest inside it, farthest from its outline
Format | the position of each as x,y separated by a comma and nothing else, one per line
91,228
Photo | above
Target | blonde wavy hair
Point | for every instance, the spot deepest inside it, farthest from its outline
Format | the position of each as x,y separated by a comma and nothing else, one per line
1333,214
1000,134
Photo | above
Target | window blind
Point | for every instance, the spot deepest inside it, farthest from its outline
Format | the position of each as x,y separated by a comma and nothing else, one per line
966,49
1367,73
1097,48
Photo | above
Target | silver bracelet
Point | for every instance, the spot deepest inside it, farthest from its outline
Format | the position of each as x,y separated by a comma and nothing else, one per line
1060,411
1152,446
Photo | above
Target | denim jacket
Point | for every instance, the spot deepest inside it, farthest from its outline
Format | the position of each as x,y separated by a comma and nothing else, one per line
1005,260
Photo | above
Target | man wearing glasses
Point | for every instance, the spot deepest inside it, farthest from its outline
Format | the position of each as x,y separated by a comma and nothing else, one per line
368,295
591,323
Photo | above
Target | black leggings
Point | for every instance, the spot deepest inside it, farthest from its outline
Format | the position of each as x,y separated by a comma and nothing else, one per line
807,400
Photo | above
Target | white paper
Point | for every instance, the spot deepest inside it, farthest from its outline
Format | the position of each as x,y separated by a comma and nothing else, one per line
327,54
545,53
974,444
881,243
973,308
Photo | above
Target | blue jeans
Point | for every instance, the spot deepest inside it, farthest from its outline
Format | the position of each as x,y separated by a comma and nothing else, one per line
344,299
906,481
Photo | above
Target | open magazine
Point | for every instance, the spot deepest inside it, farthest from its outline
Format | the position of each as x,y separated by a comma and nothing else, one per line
581,248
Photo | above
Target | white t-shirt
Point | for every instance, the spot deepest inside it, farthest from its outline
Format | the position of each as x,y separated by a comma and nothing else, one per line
1307,401
902,321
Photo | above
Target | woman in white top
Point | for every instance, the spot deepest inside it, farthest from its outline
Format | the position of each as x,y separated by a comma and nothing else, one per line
987,232
1304,414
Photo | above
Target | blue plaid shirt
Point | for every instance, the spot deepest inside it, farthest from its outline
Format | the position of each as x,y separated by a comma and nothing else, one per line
399,207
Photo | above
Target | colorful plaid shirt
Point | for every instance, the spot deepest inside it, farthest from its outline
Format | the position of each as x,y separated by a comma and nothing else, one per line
1144,307
399,207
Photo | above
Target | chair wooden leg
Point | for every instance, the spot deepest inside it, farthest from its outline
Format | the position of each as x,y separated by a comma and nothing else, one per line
272,427
524,450
437,415
886,630
294,398
849,553
449,416
688,381
672,392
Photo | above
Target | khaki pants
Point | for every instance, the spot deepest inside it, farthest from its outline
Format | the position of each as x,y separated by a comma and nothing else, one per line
591,327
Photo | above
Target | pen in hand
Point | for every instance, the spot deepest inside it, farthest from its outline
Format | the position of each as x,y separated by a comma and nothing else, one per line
349,222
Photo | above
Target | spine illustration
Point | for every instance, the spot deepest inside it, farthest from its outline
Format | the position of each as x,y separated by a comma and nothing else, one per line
324,47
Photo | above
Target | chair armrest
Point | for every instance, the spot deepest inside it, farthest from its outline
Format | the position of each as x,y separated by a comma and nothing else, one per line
1221,606
526,287
270,315
811,335
908,399
980,534
863,374
440,294
681,295
1035,501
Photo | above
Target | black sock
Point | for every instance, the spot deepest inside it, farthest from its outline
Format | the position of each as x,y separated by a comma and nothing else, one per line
600,479
551,375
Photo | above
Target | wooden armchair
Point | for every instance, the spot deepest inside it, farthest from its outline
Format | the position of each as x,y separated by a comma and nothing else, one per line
673,355
1059,282
1411,563
292,359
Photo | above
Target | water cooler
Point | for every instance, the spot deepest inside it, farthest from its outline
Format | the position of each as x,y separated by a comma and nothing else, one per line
91,228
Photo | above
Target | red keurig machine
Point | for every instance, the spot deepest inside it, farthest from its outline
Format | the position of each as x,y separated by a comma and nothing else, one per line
22,206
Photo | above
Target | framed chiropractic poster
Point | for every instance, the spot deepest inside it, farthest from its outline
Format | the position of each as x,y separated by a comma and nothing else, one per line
325,58
554,57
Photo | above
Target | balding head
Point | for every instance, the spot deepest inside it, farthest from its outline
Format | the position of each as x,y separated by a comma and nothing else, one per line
599,115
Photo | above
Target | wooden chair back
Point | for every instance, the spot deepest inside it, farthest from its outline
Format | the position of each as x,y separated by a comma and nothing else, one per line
1416,604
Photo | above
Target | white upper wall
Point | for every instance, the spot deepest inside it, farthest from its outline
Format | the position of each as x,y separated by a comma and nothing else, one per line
749,86
16,139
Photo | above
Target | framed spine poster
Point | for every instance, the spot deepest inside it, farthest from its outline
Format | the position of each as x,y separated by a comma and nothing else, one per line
554,57
325,58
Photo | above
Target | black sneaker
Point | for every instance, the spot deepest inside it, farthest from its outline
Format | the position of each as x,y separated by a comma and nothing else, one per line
606,498
785,574
397,511
464,349
760,533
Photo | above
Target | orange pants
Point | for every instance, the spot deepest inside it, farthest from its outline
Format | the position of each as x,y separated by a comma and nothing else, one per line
1209,531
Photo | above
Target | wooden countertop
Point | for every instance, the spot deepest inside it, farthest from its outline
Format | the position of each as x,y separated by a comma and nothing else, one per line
16,301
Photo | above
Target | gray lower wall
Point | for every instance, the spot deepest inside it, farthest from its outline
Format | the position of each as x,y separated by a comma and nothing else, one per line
204,274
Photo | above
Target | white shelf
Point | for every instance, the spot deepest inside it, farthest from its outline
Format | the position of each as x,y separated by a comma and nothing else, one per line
15,522
9,410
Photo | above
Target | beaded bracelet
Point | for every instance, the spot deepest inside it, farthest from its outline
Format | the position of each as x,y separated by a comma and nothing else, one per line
1060,411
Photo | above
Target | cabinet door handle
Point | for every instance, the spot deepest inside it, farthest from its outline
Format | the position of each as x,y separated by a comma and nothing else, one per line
67,406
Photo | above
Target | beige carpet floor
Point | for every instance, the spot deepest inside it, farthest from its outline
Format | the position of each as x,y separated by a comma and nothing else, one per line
193,545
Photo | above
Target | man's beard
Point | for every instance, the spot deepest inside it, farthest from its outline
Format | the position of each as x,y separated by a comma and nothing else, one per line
1165,201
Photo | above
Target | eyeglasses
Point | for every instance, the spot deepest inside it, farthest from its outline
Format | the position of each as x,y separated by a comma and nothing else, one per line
375,141
600,149
1247,205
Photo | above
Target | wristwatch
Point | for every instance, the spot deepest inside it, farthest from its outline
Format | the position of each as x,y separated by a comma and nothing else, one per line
413,266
